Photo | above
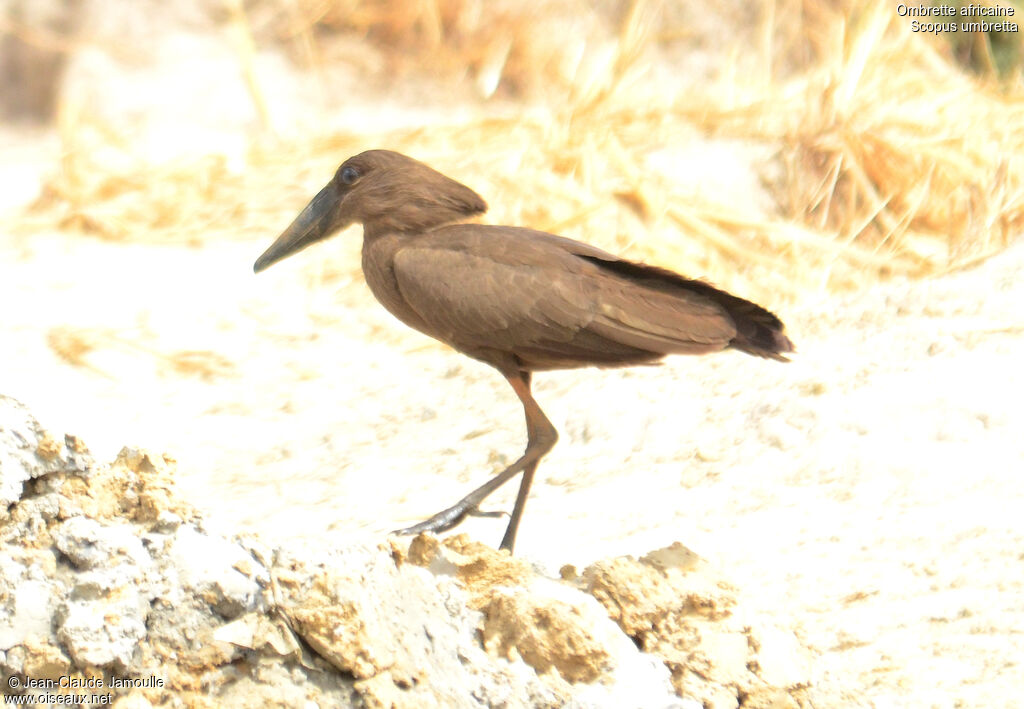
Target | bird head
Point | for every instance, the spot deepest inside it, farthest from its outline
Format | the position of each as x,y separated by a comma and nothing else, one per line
384,191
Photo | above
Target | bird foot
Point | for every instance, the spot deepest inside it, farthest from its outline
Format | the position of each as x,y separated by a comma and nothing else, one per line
490,513
442,521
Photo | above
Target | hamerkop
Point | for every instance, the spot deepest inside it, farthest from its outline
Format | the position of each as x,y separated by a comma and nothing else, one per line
520,300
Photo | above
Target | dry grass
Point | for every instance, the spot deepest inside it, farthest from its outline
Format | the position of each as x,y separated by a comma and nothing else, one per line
899,153
890,160
79,346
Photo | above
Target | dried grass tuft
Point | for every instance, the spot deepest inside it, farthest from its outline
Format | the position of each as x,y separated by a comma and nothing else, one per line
73,344
204,364
901,154
77,345
890,160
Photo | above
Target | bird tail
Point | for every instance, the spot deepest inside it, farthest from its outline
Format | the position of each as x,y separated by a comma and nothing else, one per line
758,330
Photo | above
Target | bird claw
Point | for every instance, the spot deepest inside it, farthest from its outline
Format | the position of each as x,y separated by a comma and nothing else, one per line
490,513
441,522
448,519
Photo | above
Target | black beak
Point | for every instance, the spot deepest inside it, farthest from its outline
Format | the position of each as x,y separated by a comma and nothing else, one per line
319,220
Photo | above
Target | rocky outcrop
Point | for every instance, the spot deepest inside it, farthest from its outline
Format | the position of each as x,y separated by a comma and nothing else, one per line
111,584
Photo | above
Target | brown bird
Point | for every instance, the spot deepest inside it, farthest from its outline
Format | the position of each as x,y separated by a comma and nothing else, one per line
520,300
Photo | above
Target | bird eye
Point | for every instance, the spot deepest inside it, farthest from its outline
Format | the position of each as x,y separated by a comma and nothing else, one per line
349,174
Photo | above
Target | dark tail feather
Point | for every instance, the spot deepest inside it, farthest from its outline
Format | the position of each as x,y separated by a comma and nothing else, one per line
758,331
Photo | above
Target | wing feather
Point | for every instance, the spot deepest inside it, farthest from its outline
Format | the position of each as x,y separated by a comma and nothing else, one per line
550,307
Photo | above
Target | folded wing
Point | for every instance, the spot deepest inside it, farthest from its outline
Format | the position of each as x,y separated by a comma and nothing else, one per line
552,302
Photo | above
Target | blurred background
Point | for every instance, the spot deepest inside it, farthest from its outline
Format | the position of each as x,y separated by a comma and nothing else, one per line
821,144
862,179
791,151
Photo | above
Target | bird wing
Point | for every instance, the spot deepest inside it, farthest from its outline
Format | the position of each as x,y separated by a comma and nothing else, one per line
545,299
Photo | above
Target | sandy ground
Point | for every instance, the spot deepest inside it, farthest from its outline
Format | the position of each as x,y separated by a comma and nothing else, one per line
868,494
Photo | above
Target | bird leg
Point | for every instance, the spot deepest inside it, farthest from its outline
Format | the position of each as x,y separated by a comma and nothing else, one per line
541,438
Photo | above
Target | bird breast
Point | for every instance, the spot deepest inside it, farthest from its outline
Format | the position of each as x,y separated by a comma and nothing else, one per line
378,258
